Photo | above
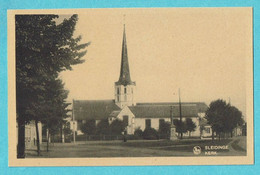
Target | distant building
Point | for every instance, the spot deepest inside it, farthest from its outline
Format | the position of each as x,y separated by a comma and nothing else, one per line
30,134
136,115
205,128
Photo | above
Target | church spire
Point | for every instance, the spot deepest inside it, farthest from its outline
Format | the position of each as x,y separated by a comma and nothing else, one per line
124,87
124,78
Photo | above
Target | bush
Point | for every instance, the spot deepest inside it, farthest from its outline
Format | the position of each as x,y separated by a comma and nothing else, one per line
89,127
164,130
180,126
103,128
138,133
150,134
117,127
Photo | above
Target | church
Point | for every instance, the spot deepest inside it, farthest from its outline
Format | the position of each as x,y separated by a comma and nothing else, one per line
137,115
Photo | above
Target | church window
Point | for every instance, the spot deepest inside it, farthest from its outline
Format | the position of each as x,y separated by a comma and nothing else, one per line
148,123
118,98
161,122
125,90
125,120
118,90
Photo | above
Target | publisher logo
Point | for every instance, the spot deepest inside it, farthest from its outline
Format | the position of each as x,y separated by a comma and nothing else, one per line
196,150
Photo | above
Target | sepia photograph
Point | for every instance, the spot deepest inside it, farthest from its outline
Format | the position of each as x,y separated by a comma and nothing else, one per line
130,86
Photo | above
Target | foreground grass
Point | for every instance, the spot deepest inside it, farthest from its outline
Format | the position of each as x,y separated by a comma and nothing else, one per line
135,148
177,145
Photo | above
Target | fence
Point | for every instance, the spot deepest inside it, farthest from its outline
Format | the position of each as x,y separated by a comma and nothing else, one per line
116,137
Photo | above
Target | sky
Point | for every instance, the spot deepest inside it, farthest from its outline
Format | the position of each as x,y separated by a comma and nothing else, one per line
202,51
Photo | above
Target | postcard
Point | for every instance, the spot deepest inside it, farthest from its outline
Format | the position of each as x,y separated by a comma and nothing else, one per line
130,86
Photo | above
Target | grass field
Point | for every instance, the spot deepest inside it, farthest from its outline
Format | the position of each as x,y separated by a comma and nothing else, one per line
140,148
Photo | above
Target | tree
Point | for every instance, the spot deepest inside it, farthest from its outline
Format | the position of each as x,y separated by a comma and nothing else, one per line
202,128
150,134
233,119
215,116
138,133
52,109
67,131
180,126
190,125
164,129
103,127
223,117
43,50
89,127
244,129
202,123
117,127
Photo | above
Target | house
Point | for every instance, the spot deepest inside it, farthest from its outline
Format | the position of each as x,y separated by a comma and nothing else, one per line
136,115
30,134
205,128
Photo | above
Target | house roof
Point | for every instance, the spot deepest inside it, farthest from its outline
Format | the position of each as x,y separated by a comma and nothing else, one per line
93,109
163,110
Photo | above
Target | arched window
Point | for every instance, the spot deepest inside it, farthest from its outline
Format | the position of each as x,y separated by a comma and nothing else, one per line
125,90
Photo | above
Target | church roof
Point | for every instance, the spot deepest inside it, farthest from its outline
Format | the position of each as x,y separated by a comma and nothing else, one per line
163,110
93,109
102,109
124,78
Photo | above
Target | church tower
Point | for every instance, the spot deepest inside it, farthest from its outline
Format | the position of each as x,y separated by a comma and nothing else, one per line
124,87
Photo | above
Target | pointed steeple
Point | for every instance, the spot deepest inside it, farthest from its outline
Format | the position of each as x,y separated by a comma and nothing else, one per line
124,78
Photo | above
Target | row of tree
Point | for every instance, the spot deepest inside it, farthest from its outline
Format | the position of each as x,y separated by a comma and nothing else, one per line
103,127
44,48
223,117
184,126
117,126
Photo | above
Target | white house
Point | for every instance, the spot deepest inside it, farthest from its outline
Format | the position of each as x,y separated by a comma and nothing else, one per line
30,134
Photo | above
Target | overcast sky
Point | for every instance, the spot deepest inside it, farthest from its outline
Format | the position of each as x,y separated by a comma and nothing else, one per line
201,51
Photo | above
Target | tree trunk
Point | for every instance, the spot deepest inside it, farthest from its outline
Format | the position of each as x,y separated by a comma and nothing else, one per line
61,134
48,136
212,135
37,138
219,136
231,134
53,141
21,139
